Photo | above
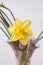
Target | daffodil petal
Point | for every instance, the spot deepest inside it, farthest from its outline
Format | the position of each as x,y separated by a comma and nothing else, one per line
13,38
23,40
26,23
11,29
30,32
18,22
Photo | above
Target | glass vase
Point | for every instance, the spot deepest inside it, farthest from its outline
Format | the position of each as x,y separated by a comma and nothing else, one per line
24,55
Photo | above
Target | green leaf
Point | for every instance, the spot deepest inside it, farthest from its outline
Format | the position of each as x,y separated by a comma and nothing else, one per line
3,6
5,27
6,16
4,20
4,32
39,37
40,34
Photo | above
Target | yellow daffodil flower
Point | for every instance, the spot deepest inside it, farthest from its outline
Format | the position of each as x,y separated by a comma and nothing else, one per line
20,31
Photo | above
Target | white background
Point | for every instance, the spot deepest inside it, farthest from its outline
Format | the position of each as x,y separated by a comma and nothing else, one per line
24,9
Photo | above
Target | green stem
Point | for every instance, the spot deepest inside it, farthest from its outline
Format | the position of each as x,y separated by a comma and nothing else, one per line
24,63
4,32
5,27
6,17
1,5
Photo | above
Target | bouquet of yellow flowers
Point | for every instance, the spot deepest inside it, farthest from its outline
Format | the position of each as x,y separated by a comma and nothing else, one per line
18,35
